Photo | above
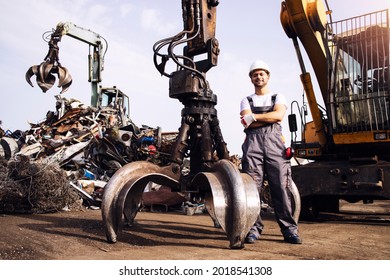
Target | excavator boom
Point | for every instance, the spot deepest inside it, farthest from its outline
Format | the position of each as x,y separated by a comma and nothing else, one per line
307,21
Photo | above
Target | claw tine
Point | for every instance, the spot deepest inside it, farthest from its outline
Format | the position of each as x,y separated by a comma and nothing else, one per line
33,70
48,69
47,84
41,73
44,70
64,77
66,86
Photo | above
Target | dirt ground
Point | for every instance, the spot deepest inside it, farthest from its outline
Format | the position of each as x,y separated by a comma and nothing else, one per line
359,232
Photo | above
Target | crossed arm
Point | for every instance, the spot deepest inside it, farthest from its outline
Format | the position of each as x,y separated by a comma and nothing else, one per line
256,120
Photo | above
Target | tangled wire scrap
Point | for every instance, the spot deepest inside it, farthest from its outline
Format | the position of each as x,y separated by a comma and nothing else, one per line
34,187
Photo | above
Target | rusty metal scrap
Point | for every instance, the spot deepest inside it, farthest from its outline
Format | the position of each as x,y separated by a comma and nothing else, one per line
33,187
2,132
87,143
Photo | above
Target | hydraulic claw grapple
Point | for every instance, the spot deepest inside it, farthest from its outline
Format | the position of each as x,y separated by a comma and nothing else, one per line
231,197
50,66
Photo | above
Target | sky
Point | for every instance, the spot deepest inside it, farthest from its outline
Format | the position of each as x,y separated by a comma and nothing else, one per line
246,30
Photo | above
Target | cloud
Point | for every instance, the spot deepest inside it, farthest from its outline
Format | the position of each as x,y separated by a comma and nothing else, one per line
151,19
125,9
99,13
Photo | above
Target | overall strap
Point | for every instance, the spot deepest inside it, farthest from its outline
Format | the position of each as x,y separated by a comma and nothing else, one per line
264,109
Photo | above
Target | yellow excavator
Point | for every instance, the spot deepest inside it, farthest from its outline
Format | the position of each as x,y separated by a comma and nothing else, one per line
346,145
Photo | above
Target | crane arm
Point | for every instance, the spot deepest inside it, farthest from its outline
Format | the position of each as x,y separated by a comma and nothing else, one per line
79,33
51,64
198,38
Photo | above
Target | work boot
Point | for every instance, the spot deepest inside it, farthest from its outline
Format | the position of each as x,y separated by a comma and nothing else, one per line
250,238
293,239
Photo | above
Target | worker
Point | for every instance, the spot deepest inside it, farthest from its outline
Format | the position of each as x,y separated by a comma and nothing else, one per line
264,151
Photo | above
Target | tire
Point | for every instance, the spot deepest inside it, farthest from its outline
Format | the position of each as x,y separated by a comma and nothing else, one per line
309,211
314,205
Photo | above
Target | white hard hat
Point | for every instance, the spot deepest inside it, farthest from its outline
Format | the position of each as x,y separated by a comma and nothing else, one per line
259,64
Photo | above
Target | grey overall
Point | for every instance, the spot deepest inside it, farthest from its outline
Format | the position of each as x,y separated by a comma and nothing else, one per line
264,155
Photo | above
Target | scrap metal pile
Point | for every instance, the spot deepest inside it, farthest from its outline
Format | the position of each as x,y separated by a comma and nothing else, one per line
34,187
75,147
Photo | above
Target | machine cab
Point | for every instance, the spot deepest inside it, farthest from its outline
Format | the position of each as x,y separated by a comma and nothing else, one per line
359,84
116,99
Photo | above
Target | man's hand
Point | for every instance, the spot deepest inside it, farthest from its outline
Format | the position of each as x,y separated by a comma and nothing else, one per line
247,120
